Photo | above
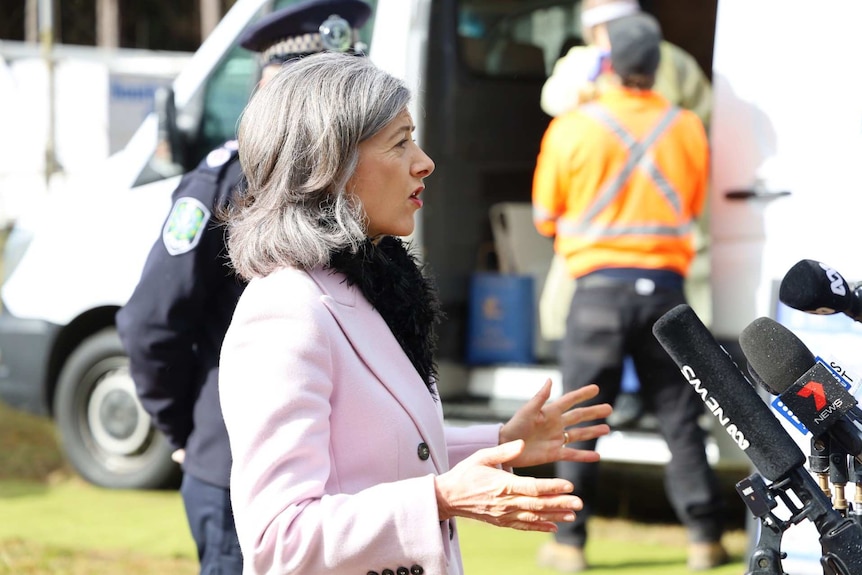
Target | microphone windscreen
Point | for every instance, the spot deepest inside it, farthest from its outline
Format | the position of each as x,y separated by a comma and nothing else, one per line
775,353
727,394
814,287
755,377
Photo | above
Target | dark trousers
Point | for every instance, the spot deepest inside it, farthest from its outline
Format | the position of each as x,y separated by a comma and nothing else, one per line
606,323
210,518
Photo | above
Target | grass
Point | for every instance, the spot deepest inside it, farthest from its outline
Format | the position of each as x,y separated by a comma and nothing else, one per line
19,557
28,448
615,547
74,514
53,523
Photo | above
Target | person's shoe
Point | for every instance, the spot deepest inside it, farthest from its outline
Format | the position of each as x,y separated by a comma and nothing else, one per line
703,556
627,410
563,558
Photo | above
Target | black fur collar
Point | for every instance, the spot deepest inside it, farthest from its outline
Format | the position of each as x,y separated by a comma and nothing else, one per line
395,285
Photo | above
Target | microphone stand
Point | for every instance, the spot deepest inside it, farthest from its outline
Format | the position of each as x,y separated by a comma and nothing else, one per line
819,462
760,500
856,507
840,536
839,477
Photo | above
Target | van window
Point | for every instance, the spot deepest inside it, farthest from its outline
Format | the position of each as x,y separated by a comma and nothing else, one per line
225,96
211,118
520,38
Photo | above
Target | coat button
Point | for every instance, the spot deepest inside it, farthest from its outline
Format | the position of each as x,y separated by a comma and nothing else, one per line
372,573
402,571
423,451
417,570
387,572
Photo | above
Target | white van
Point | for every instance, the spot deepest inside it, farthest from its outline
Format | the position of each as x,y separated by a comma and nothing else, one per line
476,68
100,98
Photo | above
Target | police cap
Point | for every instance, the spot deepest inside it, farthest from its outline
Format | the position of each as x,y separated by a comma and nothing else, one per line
305,28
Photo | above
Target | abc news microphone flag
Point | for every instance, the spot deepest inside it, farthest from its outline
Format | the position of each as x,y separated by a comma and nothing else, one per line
727,394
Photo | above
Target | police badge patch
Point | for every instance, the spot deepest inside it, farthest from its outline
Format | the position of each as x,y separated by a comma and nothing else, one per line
185,226
336,34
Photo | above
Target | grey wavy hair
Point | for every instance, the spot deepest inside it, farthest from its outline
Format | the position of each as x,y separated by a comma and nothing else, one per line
299,142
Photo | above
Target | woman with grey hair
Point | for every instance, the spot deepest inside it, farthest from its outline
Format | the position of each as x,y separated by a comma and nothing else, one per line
342,463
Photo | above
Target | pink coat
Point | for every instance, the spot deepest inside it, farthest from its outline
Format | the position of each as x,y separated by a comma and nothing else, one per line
335,438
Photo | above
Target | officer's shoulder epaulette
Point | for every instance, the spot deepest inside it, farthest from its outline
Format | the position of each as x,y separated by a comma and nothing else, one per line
218,159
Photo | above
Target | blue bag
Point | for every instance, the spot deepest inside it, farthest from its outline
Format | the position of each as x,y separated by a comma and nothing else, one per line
501,319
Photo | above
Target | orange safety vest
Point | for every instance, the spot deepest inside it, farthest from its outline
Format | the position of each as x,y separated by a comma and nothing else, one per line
619,181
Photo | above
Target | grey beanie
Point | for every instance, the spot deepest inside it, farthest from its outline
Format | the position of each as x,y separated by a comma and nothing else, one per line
635,43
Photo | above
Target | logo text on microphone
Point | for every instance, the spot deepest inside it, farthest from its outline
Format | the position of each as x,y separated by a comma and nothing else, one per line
836,282
715,408
819,398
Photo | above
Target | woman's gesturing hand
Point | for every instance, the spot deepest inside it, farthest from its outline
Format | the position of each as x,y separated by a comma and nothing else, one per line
546,426
476,488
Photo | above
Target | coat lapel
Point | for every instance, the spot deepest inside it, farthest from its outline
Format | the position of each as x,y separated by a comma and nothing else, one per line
373,341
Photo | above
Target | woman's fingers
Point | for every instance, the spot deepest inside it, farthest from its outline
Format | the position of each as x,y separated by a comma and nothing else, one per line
500,455
572,398
542,395
579,455
477,489
553,516
591,413
539,515
588,432
541,487
543,527
567,406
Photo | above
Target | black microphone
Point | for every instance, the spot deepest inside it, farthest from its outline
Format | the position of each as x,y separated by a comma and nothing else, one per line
814,287
736,406
811,391
727,394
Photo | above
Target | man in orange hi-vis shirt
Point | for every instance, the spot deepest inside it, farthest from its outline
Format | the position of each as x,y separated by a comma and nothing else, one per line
618,184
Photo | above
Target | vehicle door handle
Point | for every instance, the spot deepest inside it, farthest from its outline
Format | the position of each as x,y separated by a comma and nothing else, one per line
755,194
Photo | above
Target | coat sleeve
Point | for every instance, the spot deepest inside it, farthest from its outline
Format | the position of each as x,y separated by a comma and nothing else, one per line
463,442
694,89
161,324
571,81
276,381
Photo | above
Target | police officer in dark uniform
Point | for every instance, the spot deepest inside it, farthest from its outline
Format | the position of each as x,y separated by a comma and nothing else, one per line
173,325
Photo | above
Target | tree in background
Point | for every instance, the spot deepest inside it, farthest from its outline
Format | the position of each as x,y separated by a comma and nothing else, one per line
179,25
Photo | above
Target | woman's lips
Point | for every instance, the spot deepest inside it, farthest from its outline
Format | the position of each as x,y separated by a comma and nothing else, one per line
414,197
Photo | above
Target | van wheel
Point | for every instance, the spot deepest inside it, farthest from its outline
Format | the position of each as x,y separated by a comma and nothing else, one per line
105,433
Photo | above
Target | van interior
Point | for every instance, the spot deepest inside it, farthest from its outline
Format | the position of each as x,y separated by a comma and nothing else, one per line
483,127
